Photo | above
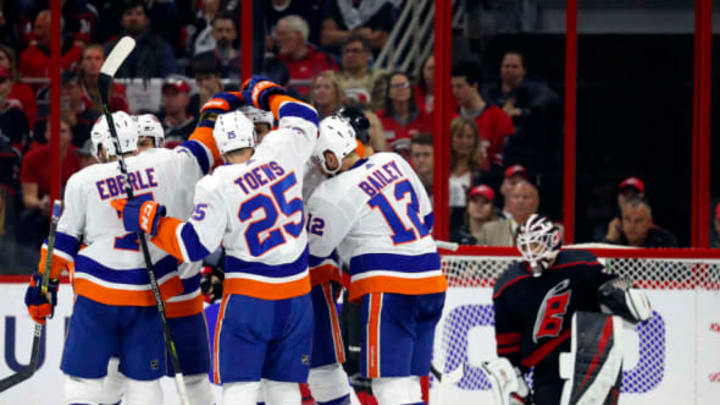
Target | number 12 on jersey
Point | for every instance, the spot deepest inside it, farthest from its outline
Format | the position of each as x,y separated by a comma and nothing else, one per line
401,233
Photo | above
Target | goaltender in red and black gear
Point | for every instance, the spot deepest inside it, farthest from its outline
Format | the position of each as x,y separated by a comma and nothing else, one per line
535,303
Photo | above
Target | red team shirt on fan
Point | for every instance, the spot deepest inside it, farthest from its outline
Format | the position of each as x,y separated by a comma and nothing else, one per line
304,69
398,136
35,62
494,125
36,168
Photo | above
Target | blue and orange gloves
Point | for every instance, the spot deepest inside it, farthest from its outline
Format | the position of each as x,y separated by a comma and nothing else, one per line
223,102
258,89
41,306
139,216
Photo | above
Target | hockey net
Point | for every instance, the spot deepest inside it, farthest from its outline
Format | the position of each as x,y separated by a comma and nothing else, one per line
690,276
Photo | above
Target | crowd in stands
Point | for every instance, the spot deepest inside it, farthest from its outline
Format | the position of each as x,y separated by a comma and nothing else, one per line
505,131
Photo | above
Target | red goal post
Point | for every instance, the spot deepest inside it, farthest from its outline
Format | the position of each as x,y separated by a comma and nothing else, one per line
672,358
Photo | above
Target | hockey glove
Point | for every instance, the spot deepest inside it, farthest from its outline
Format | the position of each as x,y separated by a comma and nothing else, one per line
211,283
38,305
139,215
223,102
258,89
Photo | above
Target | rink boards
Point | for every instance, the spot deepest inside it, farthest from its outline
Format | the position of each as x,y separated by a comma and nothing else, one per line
673,358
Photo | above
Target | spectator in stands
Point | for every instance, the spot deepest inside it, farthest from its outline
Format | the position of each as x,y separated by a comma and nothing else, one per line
35,179
224,33
629,189
14,130
208,81
152,56
371,19
80,116
421,159
201,37
377,136
518,96
93,57
637,228
523,201
466,157
715,236
178,124
303,60
492,122
513,175
361,84
480,210
424,85
326,95
35,60
19,91
310,10
400,118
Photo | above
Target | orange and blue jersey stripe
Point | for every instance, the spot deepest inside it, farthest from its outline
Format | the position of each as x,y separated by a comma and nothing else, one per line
266,281
64,251
179,239
324,269
283,106
126,287
188,302
394,273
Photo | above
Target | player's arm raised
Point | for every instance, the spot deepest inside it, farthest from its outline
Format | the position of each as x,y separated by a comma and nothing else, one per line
189,240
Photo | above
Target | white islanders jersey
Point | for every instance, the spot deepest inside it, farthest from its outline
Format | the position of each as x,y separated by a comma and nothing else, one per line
379,217
256,210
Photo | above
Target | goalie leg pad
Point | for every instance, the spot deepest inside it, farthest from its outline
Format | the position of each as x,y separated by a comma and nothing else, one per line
328,382
593,366
281,393
86,391
139,392
397,390
241,393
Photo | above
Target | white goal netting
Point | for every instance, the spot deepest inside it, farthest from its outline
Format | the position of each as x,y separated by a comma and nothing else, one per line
678,347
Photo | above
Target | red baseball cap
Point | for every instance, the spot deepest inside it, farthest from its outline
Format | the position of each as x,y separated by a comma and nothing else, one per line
633,182
484,191
517,170
4,72
178,82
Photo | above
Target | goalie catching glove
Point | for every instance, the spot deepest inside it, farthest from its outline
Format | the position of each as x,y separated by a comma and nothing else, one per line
41,306
258,89
139,216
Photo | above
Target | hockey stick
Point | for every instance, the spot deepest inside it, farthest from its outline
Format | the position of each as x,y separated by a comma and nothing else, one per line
117,56
27,371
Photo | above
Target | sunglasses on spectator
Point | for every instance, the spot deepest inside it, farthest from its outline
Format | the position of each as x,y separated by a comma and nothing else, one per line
403,85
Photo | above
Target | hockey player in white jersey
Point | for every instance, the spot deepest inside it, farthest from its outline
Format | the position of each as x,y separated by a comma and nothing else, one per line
263,121
253,205
185,313
376,213
114,310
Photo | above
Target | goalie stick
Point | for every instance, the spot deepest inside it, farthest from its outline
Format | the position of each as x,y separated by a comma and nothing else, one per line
117,56
27,371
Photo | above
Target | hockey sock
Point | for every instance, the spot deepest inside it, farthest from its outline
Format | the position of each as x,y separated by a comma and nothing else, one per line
344,400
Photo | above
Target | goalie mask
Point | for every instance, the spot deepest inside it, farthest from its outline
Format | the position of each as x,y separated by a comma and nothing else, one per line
337,136
149,126
539,242
126,131
233,131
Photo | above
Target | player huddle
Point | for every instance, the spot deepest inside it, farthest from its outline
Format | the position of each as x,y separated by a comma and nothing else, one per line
292,239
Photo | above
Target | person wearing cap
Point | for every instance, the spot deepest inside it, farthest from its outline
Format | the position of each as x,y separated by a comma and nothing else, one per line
152,56
629,189
637,228
523,200
176,120
480,210
513,175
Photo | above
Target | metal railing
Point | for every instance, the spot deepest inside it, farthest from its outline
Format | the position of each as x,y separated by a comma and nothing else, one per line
412,37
